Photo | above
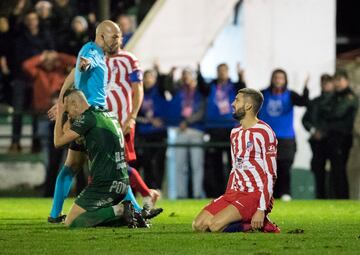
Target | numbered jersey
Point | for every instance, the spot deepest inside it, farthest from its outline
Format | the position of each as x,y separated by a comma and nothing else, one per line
104,142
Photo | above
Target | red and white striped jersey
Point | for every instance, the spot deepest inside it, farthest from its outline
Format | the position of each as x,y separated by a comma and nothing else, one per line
253,153
119,88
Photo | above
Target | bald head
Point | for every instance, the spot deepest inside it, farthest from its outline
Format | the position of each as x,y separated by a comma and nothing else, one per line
107,26
108,36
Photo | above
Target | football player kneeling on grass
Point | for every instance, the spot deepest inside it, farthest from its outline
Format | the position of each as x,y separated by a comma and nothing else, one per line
100,202
248,196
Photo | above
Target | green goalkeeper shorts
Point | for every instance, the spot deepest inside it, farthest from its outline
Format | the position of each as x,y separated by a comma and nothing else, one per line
97,196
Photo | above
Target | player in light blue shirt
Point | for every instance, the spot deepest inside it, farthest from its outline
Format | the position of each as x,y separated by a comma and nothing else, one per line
92,81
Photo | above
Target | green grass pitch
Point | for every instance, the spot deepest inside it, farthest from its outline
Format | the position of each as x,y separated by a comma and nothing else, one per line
329,227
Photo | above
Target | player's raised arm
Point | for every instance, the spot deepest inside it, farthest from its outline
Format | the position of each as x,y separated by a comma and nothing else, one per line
62,135
68,83
87,60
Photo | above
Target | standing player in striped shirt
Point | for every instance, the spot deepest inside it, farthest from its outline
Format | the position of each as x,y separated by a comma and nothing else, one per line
124,96
248,196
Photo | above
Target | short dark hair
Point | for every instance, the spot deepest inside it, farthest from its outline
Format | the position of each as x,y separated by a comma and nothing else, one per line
30,11
149,71
325,78
341,74
256,97
222,65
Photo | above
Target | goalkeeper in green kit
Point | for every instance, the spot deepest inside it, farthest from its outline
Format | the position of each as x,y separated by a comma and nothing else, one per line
99,203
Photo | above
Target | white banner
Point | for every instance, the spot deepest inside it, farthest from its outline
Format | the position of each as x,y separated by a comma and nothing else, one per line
296,35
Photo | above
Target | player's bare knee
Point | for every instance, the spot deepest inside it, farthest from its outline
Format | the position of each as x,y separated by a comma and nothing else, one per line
67,222
201,225
216,226
196,225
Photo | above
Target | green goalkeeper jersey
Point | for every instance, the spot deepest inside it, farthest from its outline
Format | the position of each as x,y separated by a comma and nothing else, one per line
104,143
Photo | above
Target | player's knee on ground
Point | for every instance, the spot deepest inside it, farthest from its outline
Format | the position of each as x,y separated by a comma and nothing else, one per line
75,211
216,225
195,225
67,222
200,225
70,219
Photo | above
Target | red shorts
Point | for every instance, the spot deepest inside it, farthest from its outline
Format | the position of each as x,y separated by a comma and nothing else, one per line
246,203
130,154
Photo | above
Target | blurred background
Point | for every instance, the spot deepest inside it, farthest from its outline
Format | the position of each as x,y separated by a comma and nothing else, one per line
182,42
